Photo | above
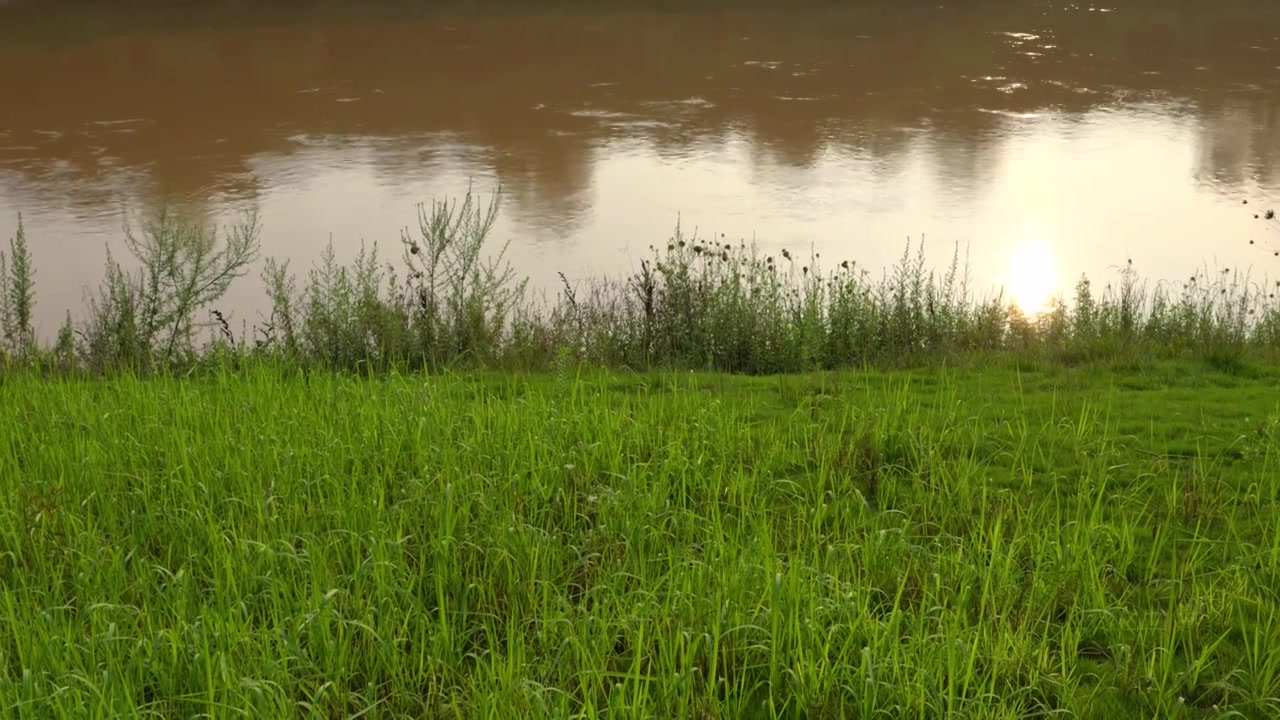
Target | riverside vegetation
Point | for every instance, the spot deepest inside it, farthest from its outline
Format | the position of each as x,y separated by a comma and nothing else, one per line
694,304
425,498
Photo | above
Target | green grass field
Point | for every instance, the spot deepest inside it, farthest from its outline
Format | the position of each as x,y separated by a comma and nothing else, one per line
987,542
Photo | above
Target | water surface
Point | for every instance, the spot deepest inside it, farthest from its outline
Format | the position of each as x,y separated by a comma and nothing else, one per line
1042,139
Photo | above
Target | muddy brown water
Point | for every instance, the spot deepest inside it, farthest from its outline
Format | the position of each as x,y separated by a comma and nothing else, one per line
1044,139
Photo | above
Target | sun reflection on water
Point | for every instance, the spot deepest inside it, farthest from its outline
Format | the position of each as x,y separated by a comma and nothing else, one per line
1031,275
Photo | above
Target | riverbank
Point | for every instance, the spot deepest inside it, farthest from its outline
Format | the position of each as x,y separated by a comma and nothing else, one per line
990,542
453,301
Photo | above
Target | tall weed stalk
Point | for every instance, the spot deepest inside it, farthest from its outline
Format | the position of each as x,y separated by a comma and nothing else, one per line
17,298
146,318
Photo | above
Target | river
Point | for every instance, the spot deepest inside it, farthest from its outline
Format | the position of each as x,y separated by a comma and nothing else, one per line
1043,139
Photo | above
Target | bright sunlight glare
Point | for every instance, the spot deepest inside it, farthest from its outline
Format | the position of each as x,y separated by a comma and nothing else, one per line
1031,276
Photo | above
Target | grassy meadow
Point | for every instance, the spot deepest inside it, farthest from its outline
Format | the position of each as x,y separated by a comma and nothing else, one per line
997,541
729,484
